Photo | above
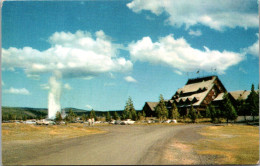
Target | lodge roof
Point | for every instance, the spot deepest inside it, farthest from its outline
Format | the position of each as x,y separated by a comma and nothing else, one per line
219,97
243,94
196,90
152,105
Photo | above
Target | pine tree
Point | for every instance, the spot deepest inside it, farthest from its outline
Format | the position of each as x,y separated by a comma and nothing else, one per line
243,108
161,110
253,102
93,114
174,113
58,117
144,115
126,111
108,117
193,114
229,110
71,116
116,117
132,109
139,116
218,115
211,113
84,117
129,111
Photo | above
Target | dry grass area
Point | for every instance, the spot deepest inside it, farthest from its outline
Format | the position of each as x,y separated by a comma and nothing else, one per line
233,144
22,133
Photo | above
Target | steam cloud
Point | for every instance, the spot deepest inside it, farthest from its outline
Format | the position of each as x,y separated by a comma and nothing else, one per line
54,97
78,55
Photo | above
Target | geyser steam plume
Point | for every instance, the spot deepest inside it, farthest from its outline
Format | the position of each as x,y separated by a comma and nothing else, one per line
54,96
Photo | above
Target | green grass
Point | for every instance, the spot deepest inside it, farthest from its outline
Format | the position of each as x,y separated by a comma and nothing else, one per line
233,144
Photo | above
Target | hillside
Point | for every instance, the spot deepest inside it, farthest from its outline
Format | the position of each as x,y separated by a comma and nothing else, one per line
23,113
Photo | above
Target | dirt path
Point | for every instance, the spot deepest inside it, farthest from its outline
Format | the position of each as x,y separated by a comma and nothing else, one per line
133,144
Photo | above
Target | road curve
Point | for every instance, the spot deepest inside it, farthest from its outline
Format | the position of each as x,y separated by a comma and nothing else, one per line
121,145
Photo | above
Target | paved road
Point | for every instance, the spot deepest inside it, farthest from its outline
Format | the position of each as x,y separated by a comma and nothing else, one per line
130,144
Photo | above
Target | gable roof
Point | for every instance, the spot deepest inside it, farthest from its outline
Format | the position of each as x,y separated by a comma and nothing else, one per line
152,105
219,97
198,89
243,94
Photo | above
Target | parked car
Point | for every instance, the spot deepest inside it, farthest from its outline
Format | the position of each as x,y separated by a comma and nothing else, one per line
112,122
117,121
127,122
167,121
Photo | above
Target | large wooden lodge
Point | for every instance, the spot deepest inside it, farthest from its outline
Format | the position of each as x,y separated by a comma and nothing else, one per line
198,92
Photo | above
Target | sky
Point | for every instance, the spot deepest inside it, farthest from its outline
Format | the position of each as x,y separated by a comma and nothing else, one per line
101,52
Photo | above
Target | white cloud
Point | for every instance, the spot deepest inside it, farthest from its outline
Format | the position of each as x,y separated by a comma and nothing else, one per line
45,86
217,14
130,79
21,91
67,86
88,106
179,55
253,49
73,55
178,72
33,76
195,33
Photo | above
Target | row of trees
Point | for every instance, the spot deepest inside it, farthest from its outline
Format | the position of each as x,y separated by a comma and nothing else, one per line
163,113
249,106
71,117
128,113
226,110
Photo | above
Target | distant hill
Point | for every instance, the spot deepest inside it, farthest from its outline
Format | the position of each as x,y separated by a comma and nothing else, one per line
22,113
19,113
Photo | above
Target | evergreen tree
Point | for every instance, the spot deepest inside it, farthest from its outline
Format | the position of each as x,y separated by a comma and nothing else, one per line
161,110
71,116
253,102
144,115
92,114
84,117
116,116
126,111
218,115
58,117
139,116
132,109
108,117
211,113
193,114
174,113
129,111
229,110
24,117
243,108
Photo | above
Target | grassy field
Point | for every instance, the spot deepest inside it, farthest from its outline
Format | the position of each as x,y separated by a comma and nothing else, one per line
12,132
232,144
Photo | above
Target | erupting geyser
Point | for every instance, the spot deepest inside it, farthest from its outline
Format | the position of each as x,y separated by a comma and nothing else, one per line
54,97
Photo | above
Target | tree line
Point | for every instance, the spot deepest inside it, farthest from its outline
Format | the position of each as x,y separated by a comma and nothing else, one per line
129,112
226,110
245,107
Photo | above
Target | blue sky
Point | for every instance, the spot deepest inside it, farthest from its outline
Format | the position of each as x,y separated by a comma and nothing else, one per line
104,51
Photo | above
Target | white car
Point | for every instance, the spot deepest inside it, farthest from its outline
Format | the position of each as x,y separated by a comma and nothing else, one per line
112,122
167,121
127,122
